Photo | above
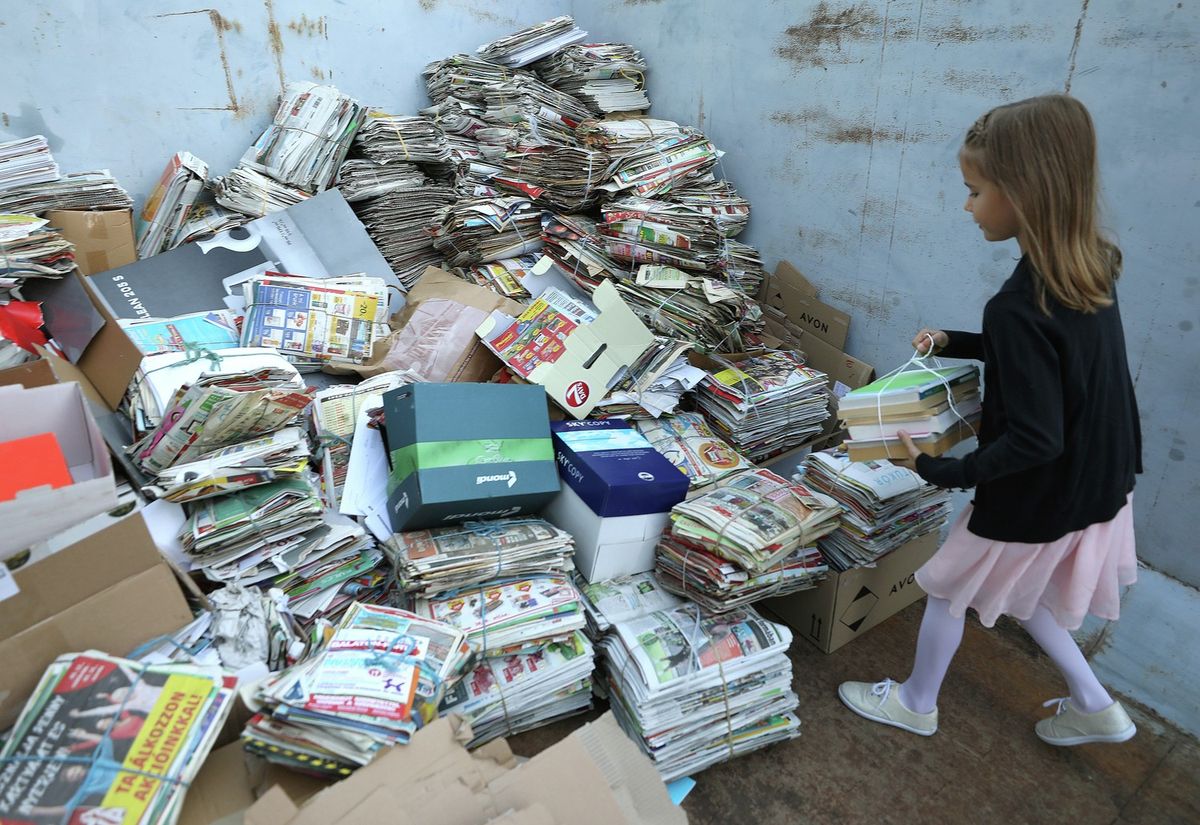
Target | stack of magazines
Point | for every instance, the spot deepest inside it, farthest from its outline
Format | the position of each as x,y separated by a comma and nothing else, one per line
87,747
386,139
557,176
378,680
650,157
167,209
308,138
766,404
884,506
937,407
694,689
446,559
26,161
334,320
608,77
30,249
82,190
401,223
488,229
253,193
756,519
347,567
533,43
360,179
690,444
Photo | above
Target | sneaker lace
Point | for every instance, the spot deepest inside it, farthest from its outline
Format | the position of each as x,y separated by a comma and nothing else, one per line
1062,704
883,690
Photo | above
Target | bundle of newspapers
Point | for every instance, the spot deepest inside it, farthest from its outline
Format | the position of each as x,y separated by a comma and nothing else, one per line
31,249
464,77
458,117
557,176
765,404
87,745
166,211
488,229
276,456
345,567
207,219
743,267
82,190
253,193
401,222
446,559
360,179
524,111
694,689
26,161
308,138
379,679
504,277
755,519
533,43
621,599
644,230
220,409
716,198
335,320
608,77
697,308
883,506
687,441
575,244
653,385
386,138
650,156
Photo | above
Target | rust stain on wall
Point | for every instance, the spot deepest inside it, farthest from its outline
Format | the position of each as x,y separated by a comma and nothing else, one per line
428,5
220,25
318,73
832,129
818,41
316,27
276,40
4,119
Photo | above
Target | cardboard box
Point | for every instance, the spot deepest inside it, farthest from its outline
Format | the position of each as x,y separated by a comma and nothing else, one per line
593,354
607,546
614,469
848,604
596,776
49,370
467,451
231,780
103,238
110,592
787,289
39,513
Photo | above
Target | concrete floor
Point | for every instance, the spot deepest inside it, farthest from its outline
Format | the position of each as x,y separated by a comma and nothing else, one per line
983,766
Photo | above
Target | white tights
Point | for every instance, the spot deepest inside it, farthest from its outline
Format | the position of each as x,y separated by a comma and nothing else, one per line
941,634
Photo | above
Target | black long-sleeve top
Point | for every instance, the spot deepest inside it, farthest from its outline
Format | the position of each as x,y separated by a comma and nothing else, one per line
1060,440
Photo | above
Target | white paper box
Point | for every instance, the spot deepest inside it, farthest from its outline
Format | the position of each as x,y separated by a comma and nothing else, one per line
606,547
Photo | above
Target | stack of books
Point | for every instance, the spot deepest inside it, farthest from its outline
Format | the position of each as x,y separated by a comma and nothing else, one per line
937,407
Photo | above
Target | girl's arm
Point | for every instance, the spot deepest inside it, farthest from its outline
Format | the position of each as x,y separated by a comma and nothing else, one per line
968,345
1027,370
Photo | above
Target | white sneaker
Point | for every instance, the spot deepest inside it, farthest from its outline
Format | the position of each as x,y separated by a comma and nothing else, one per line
880,702
1071,726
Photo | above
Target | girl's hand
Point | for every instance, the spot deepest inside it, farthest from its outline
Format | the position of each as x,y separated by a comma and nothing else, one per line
906,440
920,341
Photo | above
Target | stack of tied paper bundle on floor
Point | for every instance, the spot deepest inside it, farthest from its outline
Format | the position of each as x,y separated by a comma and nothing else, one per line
883,507
379,678
608,77
694,689
937,407
752,537
765,404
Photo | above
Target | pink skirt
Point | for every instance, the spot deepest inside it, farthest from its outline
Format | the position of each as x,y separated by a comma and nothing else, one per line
1083,572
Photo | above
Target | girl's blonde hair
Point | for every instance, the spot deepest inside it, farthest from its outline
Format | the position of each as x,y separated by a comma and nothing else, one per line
1041,153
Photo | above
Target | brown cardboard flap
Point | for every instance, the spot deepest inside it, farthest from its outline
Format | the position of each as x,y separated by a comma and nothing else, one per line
791,292
103,238
50,369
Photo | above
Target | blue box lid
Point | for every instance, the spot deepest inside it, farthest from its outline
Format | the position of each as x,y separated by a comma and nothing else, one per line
614,469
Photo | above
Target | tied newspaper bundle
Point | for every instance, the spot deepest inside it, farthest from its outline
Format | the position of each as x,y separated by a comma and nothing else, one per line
360,180
884,506
30,249
309,320
447,559
165,214
525,112
766,404
280,455
650,156
649,231
715,198
109,740
575,244
621,599
690,444
532,43
537,663
753,537
707,311
462,77
308,138
254,194
401,223
504,277
457,118
26,161
654,384
938,407
608,77
387,139
207,219
695,689
561,177
488,229
81,190
376,682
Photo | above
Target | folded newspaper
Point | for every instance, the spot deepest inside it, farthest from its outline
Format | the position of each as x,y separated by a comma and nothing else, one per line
533,43
278,455
690,444
166,210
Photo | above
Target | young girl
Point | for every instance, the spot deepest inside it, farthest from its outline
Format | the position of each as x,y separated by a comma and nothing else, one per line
1049,535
